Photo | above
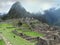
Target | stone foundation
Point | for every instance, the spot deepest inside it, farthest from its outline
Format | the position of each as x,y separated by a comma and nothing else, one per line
49,40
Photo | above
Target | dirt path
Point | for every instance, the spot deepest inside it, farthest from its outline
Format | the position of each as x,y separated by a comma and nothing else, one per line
5,40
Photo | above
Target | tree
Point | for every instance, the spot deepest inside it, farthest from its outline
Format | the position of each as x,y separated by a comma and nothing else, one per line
19,23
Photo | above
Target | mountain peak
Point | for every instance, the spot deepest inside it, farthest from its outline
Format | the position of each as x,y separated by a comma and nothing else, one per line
17,3
17,10
17,6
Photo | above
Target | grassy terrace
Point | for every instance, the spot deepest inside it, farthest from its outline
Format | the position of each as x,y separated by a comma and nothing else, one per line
31,33
7,33
2,42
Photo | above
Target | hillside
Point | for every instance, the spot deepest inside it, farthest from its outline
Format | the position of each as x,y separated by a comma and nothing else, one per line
20,27
50,16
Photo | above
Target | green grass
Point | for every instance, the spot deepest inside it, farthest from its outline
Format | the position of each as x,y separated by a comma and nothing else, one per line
28,32
10,36
5,25
35,34
31,33
25,25
7,33
2,42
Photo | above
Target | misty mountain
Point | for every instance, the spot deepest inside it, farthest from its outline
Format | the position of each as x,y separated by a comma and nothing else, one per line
16,11
51,16
57,13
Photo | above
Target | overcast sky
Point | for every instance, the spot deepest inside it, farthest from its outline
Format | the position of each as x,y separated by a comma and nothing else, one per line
30,5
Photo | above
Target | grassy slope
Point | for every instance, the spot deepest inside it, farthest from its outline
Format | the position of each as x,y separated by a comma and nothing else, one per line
29,32
9,35
17,40
2,42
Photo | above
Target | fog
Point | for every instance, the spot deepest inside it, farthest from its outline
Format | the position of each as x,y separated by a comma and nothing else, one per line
32,6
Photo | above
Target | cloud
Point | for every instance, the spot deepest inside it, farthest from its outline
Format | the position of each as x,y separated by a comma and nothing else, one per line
5,5
30,5
40,5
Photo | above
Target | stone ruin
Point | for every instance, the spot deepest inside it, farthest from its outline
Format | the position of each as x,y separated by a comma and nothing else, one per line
24,36
53,39
50,39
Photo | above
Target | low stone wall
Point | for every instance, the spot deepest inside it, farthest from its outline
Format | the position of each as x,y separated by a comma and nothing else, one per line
53,40
24,36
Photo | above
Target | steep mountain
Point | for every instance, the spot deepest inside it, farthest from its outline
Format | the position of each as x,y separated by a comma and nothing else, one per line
16,11
57,13
52,16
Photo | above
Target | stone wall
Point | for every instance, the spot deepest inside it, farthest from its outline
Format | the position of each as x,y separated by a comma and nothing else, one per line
53,40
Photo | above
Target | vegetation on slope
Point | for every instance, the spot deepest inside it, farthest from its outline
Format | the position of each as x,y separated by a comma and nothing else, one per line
2,42
7,33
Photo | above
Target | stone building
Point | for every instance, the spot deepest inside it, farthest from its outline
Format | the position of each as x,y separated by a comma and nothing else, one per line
53,39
